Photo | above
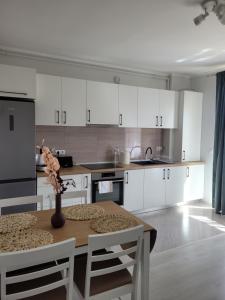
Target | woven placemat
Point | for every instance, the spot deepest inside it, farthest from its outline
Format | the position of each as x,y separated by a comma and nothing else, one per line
24,240
83,212
14,222
111,223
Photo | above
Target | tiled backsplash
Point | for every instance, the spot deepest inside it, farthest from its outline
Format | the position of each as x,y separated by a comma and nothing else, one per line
95,144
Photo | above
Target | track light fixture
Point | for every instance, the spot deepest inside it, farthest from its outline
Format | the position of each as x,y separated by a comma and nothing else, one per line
210,6
199,19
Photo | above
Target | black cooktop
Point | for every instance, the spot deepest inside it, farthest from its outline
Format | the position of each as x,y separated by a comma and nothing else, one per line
99,166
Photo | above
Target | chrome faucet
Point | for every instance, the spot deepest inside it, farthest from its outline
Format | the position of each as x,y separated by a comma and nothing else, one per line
146,153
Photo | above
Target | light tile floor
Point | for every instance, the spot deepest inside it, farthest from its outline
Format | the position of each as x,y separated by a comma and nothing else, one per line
188,261
184,224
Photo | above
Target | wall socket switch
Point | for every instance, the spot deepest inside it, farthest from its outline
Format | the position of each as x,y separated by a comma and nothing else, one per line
60,152
159,148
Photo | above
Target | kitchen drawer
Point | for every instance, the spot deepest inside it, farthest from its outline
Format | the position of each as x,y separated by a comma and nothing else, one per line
42,182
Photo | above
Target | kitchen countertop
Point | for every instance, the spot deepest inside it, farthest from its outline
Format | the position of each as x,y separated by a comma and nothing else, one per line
77,170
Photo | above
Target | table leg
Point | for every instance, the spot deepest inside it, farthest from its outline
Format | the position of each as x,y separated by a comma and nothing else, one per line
145,267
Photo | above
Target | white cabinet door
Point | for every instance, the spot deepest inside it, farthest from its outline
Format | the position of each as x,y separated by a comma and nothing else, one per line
128,101
175,179
73,110
86,185
133,190
102,103
194,183
17,82
192,120
48,102
148,108
154,188
168,109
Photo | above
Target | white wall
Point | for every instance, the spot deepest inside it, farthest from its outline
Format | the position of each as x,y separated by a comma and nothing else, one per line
180,82
207,85
83,71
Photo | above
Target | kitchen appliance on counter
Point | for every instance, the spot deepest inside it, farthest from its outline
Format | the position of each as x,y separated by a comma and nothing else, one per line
17,151
107,186
40,164
65,161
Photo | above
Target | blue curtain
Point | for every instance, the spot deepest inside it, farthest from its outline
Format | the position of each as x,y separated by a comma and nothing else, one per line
218,193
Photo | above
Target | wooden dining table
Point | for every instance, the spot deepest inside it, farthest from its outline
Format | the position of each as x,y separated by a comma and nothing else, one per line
80,230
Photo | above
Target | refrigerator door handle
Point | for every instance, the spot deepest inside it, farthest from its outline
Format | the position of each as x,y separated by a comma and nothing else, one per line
11,122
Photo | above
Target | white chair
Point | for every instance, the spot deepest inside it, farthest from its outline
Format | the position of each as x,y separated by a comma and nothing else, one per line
69,195
21,201
106,275
33,272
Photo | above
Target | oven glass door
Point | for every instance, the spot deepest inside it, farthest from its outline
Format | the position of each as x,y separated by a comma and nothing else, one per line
116,195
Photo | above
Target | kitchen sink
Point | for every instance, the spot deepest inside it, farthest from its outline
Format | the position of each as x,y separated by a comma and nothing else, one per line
149,162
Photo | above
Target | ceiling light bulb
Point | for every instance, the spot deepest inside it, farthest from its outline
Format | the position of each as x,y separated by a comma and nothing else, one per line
199,19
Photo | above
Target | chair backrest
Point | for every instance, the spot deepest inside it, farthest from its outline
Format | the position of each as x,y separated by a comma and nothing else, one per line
14,261
97,242
69,195
21,201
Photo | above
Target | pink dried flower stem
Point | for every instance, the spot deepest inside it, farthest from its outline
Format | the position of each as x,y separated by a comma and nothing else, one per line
52,170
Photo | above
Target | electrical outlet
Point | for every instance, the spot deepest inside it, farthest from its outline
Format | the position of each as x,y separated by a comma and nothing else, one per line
159,148
60,152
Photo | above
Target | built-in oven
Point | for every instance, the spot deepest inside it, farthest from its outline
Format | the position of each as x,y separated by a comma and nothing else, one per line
107,186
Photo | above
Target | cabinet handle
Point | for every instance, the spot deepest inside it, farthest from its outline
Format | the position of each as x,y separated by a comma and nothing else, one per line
86,178
188,172
64,115
57,116
164,174
89,116
184,155
121,119
168,174
161,121
16,93
127,178
157,121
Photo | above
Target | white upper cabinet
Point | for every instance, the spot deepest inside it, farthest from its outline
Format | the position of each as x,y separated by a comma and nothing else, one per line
73,110
157,108
148,108
192,123
128,102
60,101
48,102
187,140
168,104
102,103
133,190
17,82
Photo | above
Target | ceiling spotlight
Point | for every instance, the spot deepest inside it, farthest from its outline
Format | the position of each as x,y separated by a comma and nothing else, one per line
208,6
199,19
220,13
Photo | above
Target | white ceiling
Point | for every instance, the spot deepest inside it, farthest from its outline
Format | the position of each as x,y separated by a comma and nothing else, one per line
134,34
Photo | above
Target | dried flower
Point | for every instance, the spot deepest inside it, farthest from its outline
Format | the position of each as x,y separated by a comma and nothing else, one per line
52,170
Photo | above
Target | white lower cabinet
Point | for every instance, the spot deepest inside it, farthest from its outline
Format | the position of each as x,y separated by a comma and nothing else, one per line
154,188
73,183
133,190
175,179
194,183
165,187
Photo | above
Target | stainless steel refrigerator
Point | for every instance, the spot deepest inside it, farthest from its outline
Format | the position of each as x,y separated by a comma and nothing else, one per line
17,151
